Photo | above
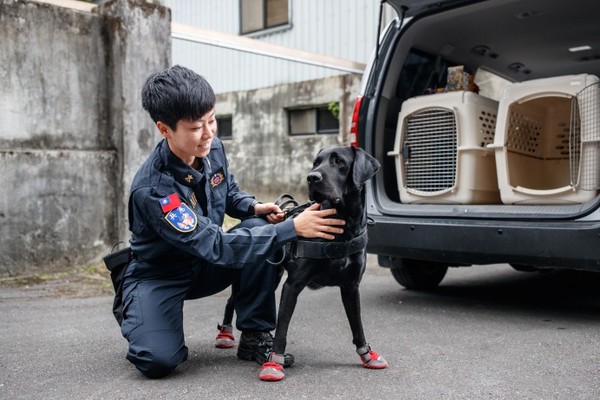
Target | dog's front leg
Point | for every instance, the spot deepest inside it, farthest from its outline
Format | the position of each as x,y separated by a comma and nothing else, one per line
272,370
351,299
287,305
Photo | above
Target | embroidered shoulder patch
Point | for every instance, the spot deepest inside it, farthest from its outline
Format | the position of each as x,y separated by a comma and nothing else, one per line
182,218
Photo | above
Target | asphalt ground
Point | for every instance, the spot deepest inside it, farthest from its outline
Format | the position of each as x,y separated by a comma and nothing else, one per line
488,332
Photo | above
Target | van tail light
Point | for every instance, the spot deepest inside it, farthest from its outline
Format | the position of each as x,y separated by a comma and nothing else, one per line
354,124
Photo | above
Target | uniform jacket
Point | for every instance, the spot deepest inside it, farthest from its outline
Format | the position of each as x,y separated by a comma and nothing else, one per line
176,213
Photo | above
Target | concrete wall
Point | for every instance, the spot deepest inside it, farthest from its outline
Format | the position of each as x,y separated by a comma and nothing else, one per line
73,130
265,159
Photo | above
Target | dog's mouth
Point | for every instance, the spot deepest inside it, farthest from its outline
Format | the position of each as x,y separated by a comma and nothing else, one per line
325,201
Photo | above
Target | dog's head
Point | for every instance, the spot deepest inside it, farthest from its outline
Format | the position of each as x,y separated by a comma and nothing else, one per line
339,171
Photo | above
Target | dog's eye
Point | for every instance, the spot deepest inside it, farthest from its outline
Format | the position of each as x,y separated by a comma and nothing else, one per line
338,161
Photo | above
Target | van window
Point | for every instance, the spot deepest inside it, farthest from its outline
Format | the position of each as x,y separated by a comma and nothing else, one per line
424,73
421,74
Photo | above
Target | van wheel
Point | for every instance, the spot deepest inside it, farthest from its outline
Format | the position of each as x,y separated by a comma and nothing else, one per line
419,275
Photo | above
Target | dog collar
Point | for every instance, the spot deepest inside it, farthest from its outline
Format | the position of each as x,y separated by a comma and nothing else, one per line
327,250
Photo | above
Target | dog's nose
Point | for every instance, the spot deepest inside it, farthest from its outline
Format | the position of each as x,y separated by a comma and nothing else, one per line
314,177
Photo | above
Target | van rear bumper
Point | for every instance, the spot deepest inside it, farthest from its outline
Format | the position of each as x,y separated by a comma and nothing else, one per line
559,244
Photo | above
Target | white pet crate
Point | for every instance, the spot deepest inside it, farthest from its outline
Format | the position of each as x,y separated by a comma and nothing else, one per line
546,144
441,149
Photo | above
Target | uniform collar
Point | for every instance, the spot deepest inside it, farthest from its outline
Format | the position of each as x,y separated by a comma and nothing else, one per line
182,172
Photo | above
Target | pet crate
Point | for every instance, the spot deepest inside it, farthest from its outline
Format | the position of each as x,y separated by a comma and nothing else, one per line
441,149
546,141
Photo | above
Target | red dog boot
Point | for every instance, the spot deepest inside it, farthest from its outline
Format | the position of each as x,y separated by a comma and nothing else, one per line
272,370
225,338
370,359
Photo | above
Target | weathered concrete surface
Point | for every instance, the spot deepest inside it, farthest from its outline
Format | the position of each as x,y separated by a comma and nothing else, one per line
73,130
52,68
55,216
138,35
265,159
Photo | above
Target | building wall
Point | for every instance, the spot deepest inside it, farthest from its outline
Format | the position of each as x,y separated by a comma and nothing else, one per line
73,131
346,29
265,159
256,90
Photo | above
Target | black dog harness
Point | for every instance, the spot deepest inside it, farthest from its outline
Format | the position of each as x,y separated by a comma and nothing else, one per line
304,248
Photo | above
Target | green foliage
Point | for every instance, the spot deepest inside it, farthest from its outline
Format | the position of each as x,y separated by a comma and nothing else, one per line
334,109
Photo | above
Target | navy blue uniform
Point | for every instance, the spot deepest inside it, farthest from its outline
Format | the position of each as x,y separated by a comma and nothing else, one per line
181,252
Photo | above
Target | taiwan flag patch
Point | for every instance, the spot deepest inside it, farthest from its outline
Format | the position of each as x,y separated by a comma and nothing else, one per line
170,202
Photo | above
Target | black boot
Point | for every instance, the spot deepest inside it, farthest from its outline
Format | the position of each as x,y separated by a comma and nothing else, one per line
257,346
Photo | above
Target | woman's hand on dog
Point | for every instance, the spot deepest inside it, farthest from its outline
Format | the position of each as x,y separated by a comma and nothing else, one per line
314,223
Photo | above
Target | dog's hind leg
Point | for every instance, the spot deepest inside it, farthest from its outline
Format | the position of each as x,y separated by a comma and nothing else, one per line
351,300
225,338
229,310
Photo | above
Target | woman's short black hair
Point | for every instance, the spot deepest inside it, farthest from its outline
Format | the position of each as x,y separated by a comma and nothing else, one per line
177,93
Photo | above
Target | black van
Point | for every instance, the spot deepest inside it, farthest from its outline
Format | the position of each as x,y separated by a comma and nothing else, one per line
485,116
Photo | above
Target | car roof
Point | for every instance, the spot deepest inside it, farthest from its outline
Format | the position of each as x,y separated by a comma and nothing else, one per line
518,39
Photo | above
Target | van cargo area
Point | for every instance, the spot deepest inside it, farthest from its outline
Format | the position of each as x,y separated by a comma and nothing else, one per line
485,117
529,85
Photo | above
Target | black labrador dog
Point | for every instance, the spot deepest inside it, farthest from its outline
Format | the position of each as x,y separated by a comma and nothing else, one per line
336,181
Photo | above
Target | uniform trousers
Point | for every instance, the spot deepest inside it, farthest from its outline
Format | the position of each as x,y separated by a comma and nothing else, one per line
153,296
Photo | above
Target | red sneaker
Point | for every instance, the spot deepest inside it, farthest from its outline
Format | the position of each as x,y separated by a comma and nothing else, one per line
225,338
370,359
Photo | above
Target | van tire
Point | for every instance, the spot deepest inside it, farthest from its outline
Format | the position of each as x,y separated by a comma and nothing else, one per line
418,275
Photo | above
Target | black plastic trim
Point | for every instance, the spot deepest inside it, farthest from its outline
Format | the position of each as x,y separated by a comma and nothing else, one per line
573,245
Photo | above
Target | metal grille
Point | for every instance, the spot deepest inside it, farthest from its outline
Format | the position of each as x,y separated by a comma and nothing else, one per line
430,150
584,139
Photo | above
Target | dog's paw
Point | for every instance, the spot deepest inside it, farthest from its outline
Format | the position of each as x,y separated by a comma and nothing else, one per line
371,359
225,338
271,372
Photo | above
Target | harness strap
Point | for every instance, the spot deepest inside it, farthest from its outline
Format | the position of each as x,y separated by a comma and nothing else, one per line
302,248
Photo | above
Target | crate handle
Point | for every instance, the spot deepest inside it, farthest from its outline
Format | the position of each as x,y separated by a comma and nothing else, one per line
494,146
549,192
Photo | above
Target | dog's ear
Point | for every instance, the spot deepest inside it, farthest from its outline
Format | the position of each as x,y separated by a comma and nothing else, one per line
365,166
